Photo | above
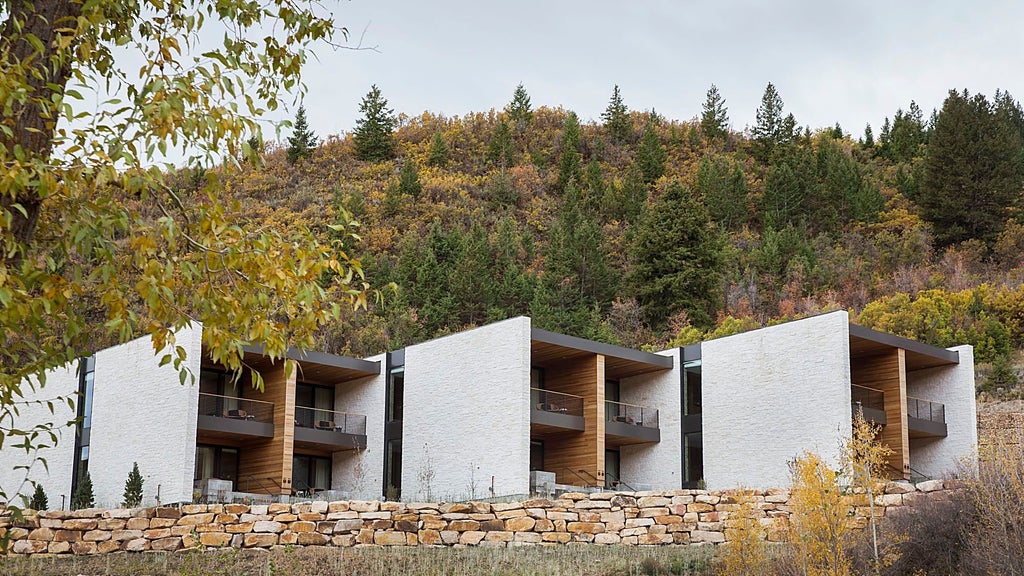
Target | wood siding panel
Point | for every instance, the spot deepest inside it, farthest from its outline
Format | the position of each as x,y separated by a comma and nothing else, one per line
270,463
567,455
887,372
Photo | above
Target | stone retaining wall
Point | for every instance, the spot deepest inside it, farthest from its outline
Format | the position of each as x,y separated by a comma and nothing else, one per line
634,518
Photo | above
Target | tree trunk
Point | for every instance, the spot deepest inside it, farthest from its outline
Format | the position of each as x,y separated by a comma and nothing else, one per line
34,122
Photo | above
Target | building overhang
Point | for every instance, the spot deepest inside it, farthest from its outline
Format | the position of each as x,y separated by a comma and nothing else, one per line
316,367
866,342
550,348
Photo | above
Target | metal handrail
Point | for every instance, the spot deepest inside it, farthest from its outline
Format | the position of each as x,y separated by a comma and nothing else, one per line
235,408
618,481
642,416
926,409
867,397
556,402
332,420
259,484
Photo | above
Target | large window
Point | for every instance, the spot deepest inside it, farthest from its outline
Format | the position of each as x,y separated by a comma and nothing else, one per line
311,474
612,469
220,462
220,384
320,398
693,437
86,383
396,394
536,455
394,411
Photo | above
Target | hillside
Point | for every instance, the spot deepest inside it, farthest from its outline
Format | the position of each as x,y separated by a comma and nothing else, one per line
645,231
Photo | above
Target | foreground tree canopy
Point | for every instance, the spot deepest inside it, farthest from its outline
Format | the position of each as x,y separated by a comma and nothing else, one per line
99,243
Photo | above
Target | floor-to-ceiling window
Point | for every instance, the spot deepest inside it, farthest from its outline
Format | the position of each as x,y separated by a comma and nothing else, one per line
693,438
86,383
394,409
313,404
612,469
220,462
311,474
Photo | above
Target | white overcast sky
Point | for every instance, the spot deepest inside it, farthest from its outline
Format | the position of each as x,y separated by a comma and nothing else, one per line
851,62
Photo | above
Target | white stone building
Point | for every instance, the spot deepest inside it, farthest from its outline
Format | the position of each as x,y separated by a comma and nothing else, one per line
504,409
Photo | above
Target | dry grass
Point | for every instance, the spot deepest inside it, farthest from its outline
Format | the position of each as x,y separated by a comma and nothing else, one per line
582,560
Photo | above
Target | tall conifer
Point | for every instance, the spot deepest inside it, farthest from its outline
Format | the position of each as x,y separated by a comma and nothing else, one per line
373,136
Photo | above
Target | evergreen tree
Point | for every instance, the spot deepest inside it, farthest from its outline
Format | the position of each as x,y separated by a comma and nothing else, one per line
869,137
677,260
409,179
500,149
616,119
651,155
569,164
593,186
714,120
501,190
1002,375
724,191
905,138
302,141
836,132
790,178
373,137
83,497
133,488
577,285
770,128
519,110
438,153
972,173
39,500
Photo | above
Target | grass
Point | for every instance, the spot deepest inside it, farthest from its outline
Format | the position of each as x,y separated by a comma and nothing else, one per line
572,560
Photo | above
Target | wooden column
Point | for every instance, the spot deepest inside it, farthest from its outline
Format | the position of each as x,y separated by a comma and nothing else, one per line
887,372
270,463
578,457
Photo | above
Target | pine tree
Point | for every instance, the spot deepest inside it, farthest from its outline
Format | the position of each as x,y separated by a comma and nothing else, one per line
714,119
519,110
302,141
972,173
1002,375
577,284
790,179
39,500
133,488
869,137
677,260
769,130
651,155
616,119
438,153
724,191
409,179
906,136
569,166
373,134
83,497
500,149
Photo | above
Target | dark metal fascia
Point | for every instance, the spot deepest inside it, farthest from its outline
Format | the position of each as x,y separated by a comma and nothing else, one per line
951,356
370,367
566,341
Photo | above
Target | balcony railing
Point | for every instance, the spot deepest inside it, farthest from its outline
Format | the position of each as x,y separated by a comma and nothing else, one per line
234,408
630,414
330,420
926,410
556,402
867,397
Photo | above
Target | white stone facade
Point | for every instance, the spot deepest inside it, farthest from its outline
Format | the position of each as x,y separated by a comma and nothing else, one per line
771,394
467,414
142,413
953,386
656,464
60,385
360,473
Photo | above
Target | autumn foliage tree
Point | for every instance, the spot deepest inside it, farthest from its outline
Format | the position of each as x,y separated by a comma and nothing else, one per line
100,245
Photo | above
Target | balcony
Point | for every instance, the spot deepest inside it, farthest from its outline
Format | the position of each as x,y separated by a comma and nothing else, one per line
232,417
630,424
871,401
925,419
329,430
555,411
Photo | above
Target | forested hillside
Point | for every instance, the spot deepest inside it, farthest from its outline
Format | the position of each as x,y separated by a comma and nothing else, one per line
645,231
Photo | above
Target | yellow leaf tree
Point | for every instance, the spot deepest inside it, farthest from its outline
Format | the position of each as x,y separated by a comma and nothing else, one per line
98,242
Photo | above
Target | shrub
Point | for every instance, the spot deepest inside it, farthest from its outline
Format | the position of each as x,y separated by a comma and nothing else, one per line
83,497
39,500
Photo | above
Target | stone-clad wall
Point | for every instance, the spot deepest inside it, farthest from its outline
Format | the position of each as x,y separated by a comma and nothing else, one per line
639,518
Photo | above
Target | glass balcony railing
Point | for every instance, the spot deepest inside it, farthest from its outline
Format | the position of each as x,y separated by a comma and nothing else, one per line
556,402
867,397
926,410
630,414
330,420
235,408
